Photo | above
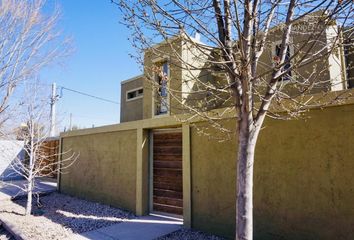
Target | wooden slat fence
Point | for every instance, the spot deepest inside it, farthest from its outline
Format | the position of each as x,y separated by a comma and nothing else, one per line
167,172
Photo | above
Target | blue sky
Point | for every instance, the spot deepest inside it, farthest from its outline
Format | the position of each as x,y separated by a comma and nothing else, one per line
99,63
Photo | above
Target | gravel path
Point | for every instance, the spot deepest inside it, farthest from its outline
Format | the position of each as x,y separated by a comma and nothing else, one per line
60,216
187,234
5,235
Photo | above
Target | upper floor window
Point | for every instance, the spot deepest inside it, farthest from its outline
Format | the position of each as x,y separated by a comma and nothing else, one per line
161,92
134,94
287,65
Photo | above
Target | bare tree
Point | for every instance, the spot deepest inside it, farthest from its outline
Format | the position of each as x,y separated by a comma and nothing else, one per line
41,160
29,41
250,58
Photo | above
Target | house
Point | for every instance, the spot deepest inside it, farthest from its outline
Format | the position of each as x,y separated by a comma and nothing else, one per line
152,162
182,63
132,91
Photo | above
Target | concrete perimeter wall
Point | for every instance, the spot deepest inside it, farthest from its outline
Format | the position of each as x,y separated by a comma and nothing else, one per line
105,170
303,180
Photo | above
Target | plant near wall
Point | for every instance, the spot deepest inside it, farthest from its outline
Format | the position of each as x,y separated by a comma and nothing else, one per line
39,160
249,59
29,41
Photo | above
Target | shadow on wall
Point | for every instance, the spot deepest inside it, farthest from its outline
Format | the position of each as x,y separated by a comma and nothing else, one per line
11,151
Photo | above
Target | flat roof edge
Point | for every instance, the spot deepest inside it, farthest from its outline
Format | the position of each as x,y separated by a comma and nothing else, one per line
131,79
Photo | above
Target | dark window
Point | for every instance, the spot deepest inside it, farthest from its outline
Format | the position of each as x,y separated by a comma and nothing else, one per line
349,61
161,106
287,61
131,95
134,94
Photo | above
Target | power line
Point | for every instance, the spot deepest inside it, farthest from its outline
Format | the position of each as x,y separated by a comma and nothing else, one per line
86,94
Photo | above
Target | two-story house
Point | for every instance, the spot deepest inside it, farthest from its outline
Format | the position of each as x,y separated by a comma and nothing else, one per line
177,72
154,163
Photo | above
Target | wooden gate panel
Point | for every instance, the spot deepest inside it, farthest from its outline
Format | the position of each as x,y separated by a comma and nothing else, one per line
167,172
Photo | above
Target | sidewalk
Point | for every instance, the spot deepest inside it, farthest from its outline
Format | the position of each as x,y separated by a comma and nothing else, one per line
43,185
142,228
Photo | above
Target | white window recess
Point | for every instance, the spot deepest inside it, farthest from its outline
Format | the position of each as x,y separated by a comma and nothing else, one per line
134,94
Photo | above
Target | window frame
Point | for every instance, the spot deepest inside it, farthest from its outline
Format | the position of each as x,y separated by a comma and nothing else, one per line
134,90
274,53
161,60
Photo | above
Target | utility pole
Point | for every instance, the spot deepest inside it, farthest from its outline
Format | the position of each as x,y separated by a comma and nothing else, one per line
71,122
52,110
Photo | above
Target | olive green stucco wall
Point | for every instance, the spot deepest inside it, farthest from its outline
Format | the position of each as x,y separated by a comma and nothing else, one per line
303,180
160,53
131,110
105,170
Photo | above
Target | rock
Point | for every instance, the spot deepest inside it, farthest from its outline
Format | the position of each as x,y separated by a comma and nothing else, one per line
61,215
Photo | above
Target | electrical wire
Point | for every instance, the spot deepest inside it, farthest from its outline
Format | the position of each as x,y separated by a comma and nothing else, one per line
85,94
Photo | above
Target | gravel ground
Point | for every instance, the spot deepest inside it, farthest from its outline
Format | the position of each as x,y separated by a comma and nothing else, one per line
5,235
60,216
187,234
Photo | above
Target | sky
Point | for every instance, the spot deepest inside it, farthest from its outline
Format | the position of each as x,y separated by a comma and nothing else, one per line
99,62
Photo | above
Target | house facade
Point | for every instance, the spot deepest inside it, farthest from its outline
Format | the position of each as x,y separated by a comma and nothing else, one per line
178,74
152,162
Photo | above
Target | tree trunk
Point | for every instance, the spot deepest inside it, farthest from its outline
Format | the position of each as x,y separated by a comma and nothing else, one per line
30,177
29,198
244,198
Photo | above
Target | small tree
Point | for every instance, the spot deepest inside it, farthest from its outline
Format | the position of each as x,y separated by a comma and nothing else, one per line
254,53
29,41
34,114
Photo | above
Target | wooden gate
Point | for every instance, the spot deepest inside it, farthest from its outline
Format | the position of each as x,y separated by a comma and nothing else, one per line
167,172
48,154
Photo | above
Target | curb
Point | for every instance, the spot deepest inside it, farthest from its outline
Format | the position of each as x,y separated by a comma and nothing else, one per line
13,230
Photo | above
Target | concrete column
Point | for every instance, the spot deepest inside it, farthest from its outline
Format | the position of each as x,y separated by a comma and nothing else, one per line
142,170
186,166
